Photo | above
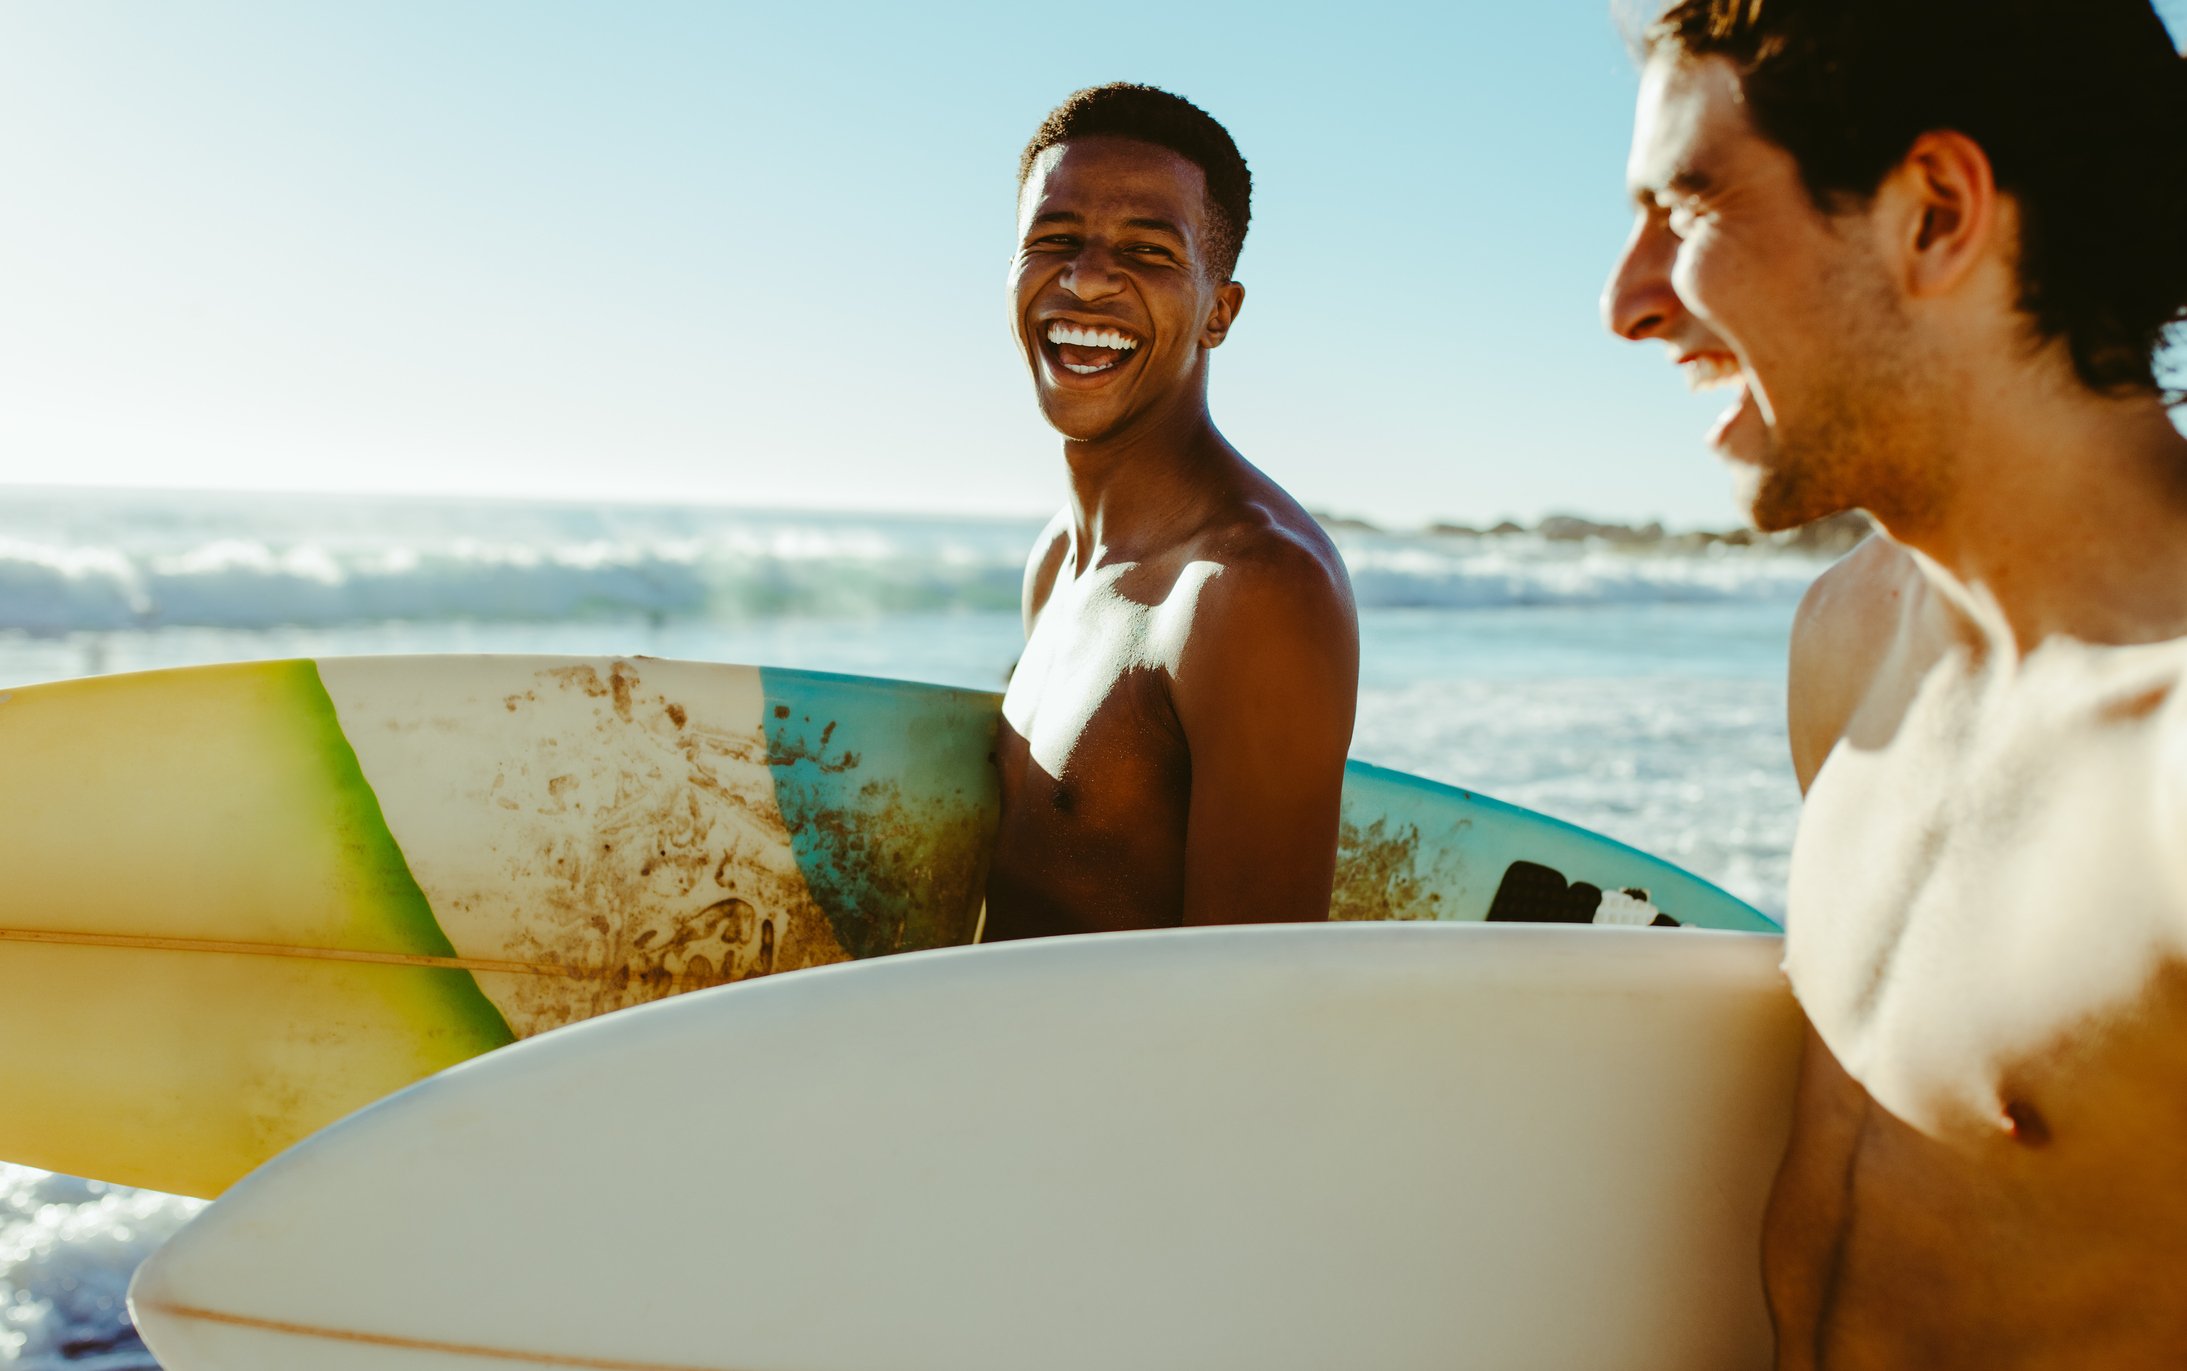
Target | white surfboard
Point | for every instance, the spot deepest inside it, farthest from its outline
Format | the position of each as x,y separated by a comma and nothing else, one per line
1386,1146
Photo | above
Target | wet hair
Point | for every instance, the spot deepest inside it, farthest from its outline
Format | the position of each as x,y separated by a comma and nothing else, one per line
2080,105
1124,110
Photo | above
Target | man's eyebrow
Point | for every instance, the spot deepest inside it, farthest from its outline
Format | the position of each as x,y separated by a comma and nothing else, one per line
1064,216
1689,181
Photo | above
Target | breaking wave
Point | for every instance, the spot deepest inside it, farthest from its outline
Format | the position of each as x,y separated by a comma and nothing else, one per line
225,568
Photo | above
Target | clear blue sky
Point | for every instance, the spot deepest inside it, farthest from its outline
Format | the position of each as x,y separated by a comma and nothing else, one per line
755,254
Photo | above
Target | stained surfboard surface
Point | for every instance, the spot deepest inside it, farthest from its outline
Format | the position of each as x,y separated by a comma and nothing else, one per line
1494,1146
242,901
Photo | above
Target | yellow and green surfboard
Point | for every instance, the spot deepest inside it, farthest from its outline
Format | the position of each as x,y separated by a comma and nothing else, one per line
239,902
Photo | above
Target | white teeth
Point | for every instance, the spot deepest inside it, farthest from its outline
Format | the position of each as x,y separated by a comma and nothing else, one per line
1090,338
1707,373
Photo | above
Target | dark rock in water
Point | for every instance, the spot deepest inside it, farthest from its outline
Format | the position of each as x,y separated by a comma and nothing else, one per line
1832,537
1568,528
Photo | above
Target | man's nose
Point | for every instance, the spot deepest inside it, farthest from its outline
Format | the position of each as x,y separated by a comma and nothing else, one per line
1092,273
1638,301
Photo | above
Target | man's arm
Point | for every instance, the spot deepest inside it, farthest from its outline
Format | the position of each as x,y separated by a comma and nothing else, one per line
1845,625
1265,689
1807,1205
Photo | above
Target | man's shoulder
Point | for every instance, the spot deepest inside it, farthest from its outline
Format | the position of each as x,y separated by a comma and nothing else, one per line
1265,559
1054,541
1267,633
1845,600
1844,630
1046,562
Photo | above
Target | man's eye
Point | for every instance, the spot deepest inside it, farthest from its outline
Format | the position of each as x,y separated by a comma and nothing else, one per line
1683,218
1151,250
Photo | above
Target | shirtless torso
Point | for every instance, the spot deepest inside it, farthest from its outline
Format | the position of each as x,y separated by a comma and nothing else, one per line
1988,932
1135,794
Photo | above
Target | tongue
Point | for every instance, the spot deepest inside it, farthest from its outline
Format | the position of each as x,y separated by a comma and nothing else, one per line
1076,356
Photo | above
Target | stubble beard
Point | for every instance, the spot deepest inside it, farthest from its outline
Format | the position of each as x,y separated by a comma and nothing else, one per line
1870,435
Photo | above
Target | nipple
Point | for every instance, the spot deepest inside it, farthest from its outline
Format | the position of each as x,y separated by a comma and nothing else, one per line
2024,1124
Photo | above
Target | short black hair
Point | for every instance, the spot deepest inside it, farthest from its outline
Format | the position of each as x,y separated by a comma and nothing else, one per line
1124,110
2081,106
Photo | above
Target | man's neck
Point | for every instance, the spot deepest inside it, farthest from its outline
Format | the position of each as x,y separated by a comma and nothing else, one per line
1146,486
2066,516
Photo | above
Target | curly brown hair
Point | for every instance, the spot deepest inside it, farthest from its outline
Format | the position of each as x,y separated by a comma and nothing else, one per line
1123,110
2080,105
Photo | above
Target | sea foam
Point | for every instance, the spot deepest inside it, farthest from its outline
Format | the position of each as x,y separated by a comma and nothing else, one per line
116,563
67,1250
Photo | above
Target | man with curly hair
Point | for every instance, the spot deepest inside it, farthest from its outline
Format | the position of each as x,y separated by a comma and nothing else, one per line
1174,738
1933,248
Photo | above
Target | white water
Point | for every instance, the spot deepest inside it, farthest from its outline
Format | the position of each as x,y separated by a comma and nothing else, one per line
71,563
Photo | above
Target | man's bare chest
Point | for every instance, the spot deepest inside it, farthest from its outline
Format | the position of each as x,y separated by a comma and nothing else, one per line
1088,718
1976,903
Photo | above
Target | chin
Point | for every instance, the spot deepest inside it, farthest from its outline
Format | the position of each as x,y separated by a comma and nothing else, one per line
1077,424
1777,501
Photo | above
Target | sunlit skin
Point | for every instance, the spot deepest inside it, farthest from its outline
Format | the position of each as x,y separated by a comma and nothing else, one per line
1175,732
1987,921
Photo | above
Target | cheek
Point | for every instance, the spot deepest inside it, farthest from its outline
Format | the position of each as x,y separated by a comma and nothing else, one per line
1703,278
1020,286
1180,313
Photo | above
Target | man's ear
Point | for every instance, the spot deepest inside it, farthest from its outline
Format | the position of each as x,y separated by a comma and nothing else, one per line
1949,211
1228,301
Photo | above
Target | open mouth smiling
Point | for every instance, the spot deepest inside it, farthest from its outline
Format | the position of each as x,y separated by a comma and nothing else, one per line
1714,371
1088,349
1710,370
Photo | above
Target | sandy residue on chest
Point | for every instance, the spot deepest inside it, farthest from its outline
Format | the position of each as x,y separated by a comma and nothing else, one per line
1098,663
1980,916
1096,778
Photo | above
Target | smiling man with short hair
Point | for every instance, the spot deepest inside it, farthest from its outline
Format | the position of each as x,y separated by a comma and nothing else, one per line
1934,246
1174,738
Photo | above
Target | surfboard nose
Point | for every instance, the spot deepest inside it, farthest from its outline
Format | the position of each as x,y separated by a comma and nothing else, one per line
153,1298
195,1313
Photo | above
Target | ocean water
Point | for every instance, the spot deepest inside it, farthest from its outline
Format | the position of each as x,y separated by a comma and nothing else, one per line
1632,687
